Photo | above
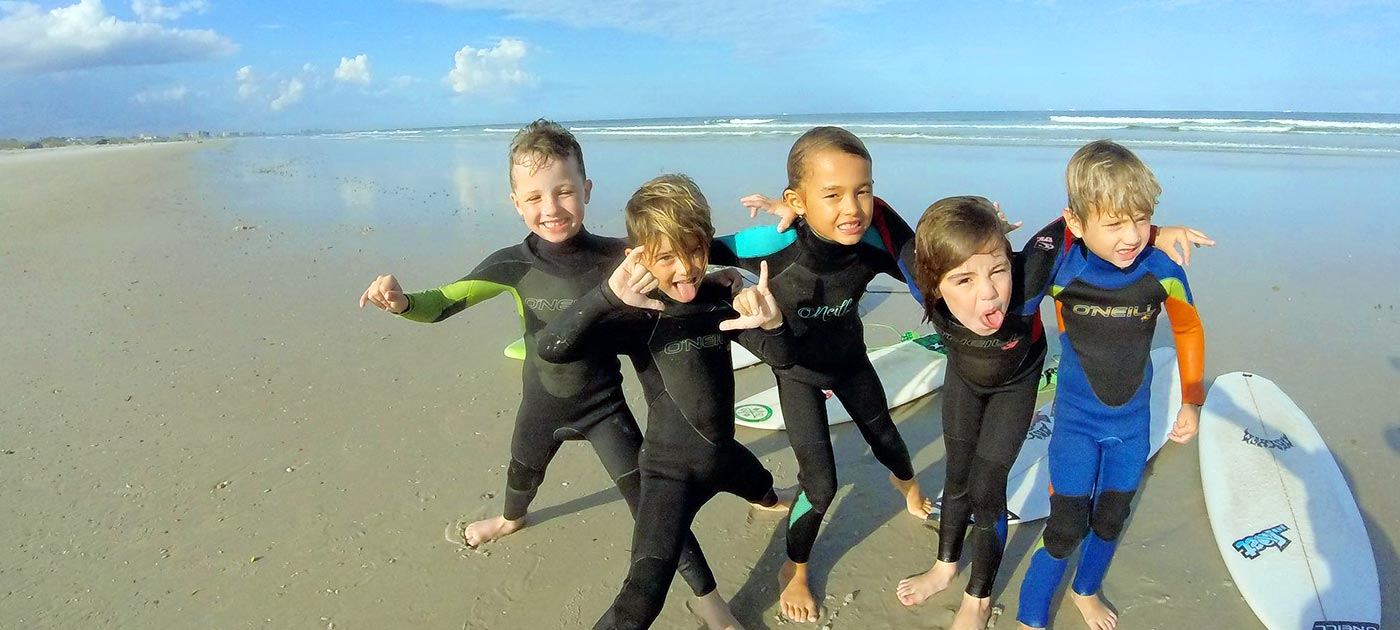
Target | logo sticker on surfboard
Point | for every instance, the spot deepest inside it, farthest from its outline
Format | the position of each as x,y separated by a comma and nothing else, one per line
1252,545
753,413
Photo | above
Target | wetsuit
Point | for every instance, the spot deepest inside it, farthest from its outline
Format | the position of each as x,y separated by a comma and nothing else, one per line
988,401
1102,416
571,401
818,283
690,454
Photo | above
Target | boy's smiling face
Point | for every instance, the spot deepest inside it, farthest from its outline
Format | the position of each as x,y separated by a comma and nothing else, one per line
550,197
836,195
977,292
1117,237
678,273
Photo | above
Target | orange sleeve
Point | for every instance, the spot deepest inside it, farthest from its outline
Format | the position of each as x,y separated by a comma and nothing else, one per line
1190,349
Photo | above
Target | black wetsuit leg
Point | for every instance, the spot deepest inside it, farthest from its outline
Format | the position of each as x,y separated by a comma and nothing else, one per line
671,496
532,446
804,412
984,429
864,397
617,441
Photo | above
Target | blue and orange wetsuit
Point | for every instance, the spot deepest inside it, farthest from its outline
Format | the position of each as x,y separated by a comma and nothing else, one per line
1102,416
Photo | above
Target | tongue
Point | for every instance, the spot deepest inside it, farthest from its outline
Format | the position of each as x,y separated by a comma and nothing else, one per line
993,319
685,291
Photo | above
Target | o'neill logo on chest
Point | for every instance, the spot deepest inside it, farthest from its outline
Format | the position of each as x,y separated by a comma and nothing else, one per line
825,311
1144,312
697,343
1254,544
1345,625
548,304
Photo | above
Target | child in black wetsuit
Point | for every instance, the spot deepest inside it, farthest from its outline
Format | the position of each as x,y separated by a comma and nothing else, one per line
678,337
557,263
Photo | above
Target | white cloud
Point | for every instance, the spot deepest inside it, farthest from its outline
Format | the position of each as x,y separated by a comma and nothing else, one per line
163,95
84,35
247,83
157,11
354,70
290,92
489,69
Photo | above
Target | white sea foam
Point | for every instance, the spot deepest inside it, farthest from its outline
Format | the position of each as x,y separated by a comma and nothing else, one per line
750,121
1337,124
1128,120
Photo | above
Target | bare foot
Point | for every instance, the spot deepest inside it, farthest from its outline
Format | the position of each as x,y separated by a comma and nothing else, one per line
714,611
972,614
913,590
796,600
785,498
1096,612
914,499
490,530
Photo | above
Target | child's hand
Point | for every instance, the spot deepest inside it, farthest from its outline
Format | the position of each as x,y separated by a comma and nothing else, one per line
386,294
1007,227
729,277
776,207
1187,421
1177,242
756,306
631,282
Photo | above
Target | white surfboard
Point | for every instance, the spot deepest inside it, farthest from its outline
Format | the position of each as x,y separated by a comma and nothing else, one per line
1028,484
1283,516
908,370
741,357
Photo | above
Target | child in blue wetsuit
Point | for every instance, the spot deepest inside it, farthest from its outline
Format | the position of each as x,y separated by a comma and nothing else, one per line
678,337
1109,288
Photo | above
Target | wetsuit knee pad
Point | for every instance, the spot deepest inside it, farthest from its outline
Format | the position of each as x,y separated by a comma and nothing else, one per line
1068,524
1111,512
522,478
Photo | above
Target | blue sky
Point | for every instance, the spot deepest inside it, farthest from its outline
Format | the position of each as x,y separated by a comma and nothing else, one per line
129,66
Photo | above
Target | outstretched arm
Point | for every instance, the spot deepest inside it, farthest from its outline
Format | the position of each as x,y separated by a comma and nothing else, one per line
1190,354
1177,242
597,317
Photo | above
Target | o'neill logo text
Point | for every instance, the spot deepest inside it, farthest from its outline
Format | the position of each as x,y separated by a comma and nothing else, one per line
548,304
1144,312
1280,444
1252,545
824,311
685,345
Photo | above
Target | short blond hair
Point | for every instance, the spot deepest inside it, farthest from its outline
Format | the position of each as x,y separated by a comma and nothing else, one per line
951,231
1105,177
541,142
669,209
816,140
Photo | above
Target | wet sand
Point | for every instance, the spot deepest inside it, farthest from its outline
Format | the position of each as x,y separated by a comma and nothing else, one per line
201,429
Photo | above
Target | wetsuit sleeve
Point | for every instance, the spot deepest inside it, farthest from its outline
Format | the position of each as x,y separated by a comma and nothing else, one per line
1189,335
488,280
1035,266
745,249
896,238
774,347
597,322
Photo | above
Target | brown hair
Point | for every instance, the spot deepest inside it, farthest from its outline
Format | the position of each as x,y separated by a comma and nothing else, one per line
816,140
541,142
669,208
951,231
1105,177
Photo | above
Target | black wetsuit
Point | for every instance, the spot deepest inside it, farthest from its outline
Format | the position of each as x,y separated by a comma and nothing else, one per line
690,453
818,283
988,402
582,399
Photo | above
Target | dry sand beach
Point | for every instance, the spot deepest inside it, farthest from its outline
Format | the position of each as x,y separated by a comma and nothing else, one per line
199,428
